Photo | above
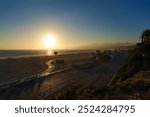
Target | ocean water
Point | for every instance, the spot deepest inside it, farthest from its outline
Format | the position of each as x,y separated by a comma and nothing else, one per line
31,53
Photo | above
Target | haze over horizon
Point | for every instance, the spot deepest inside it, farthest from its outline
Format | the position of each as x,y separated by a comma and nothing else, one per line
75,23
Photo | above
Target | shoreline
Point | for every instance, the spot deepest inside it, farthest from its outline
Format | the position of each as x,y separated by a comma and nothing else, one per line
67,52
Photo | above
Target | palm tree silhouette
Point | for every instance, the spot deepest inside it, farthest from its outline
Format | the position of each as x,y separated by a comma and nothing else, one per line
145,36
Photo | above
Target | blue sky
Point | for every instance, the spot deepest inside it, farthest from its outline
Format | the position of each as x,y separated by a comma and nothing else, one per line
74,22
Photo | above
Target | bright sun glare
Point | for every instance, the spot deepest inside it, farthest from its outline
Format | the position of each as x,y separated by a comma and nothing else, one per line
50,41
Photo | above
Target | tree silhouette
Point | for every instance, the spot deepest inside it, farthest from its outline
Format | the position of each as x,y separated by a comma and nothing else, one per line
145,36
55,53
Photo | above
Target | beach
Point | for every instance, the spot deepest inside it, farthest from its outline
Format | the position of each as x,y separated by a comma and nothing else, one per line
17,68
70,70
21,67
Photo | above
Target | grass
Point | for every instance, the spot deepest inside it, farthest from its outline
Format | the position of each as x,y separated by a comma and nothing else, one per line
140,84
127,83
134,88
70,93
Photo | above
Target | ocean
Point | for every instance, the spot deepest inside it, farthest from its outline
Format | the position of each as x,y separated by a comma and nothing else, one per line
31,53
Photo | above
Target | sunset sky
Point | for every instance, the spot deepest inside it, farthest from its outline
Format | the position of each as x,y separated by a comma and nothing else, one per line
74,23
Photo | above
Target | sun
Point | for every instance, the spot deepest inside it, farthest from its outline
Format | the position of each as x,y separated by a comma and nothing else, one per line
50,41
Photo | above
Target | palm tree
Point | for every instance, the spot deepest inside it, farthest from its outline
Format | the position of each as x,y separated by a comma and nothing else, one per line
145,36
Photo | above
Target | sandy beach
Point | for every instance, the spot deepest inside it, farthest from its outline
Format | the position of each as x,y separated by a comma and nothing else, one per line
21,67
84,73
16,68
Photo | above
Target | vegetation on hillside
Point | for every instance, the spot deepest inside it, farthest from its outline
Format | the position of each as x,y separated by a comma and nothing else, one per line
134,76
132,80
